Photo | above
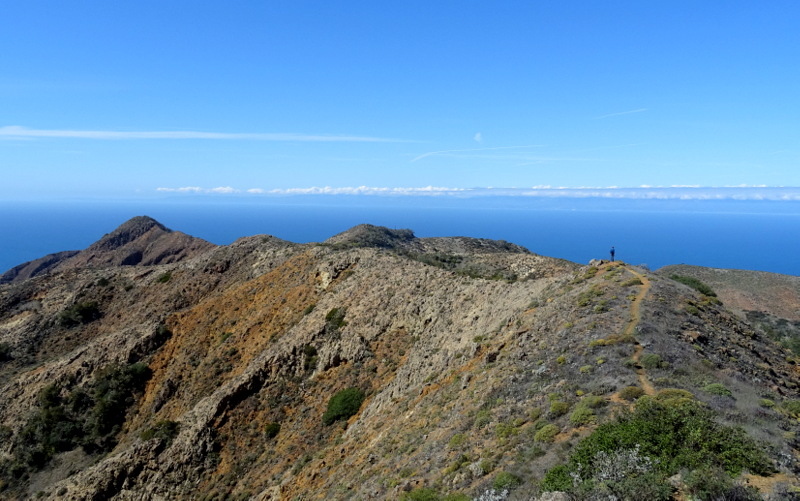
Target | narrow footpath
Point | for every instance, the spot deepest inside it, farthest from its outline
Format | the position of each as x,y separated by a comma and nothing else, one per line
636,317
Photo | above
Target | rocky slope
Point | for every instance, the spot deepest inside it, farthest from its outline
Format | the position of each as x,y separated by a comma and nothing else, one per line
745,290
208,372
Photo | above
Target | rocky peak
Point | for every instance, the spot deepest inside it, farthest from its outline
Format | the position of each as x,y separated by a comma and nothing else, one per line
367,235
139,241
128,232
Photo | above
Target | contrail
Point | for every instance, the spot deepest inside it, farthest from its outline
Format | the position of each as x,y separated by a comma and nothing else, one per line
15,131
639,110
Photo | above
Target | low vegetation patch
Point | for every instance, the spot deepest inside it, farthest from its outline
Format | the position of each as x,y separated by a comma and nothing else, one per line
632,457
89,417
342,405
695,284
429,494
5,352
546,433
165,431
631,393
334,319
652,361
272,430
632,281
717,389
79,313
585,298
612,340
506,481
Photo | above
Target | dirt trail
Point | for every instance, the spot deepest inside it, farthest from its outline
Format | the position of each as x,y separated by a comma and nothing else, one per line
636,316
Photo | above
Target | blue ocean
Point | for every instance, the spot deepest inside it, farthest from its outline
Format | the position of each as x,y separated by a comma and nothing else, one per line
756,235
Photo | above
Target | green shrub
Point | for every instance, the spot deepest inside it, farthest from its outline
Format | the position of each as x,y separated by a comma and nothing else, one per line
335,319
457,464
308,309
561,360
428,494
164,278
546,433
343,404
113,392
674,395
671,435
310,358
652,361
505,430
165,431
631,393
586,369
766,402
592,402
694,284
715,484
272,430
79,313
792,407
457,440
581,416
422,494
717,389
482,418
505,481
91,419
558,408
5,352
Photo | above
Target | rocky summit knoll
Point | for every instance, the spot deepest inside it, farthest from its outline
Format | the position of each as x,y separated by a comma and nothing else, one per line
379,365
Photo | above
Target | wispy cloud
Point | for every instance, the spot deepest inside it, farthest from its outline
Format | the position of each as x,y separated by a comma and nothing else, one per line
478,137
18,132
197,189
629,112
444,152
606,192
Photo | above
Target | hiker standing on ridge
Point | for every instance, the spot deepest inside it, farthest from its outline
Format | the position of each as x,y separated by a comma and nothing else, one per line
612,253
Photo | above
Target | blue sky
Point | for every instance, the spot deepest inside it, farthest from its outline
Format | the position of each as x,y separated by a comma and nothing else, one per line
135,99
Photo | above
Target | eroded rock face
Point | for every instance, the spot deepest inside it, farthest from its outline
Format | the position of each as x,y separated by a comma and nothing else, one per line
458,344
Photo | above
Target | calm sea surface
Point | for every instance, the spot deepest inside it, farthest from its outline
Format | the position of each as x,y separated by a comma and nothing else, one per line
745,235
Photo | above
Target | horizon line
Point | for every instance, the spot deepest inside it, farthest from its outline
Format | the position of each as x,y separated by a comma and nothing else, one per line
674,192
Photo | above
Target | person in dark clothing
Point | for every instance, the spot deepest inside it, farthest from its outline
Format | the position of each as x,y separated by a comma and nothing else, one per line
612,253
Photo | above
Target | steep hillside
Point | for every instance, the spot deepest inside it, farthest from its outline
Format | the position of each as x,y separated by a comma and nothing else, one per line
378,365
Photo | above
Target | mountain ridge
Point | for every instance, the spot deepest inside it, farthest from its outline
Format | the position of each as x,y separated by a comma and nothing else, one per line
140,240
464,349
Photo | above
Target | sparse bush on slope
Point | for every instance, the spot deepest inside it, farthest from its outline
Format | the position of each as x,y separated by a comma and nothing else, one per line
89,418
695,284
343,405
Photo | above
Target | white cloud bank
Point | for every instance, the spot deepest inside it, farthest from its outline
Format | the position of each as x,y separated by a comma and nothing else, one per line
17,132
609,192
